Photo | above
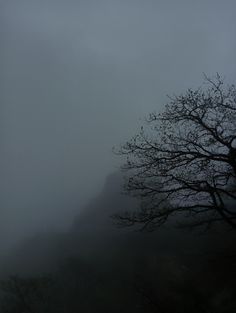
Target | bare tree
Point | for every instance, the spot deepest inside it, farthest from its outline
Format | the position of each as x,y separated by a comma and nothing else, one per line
184,159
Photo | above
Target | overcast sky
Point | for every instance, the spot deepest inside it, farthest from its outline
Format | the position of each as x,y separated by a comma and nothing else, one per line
76,77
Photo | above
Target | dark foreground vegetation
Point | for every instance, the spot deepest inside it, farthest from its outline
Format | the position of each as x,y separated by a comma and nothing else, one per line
96,267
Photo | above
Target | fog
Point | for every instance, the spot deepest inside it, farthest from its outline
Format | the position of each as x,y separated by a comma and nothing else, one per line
76,78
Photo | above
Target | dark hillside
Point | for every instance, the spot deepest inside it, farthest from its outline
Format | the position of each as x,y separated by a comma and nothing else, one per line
108,269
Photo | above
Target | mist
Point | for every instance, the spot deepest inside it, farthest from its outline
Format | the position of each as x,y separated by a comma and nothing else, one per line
77,78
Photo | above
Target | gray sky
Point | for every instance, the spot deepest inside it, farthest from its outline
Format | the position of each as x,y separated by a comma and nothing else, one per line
76,77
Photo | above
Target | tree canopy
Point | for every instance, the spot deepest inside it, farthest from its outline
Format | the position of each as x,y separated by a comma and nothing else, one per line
183,161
